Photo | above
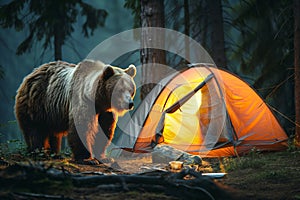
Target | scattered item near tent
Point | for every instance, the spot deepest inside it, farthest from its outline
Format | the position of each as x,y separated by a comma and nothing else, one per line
203,111
191,160
166,154
214,175
176,165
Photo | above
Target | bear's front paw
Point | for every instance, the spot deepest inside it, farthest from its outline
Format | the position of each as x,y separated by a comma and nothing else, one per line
106,160
88,161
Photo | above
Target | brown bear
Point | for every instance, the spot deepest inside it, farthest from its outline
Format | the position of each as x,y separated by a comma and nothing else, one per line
80,101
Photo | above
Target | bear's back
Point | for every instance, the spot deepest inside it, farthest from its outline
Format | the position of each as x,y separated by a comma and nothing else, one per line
41,93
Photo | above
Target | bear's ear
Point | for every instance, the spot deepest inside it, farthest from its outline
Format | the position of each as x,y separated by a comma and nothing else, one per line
131,70
108,72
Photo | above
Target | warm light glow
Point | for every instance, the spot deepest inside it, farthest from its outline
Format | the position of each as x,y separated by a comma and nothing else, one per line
182,126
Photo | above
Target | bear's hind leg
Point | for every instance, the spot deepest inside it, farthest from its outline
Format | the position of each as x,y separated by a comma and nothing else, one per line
55,143
36,140
28,140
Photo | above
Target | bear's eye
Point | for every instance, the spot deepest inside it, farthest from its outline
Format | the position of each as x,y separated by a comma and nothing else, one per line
132,93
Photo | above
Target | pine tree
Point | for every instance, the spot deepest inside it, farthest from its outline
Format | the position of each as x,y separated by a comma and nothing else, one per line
50,22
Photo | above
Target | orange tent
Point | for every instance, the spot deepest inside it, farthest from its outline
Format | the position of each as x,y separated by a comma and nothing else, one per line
205,111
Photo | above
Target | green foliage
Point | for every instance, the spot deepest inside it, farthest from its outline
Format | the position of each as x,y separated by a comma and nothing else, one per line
252,160
48,19
265,39
11,147
9,15
292,144
16,147
94,18
135,6
232,164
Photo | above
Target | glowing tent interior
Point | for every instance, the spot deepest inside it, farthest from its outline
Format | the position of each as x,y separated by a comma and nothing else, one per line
205,111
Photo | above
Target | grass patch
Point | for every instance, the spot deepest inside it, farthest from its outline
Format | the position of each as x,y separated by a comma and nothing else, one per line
274,175
16,150
253,160
231,164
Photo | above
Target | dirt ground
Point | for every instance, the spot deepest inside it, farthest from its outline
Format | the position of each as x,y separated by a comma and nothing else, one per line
255,176
271,175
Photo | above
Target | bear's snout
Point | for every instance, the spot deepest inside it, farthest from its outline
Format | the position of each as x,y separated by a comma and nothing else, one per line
131,104
128,101
124,104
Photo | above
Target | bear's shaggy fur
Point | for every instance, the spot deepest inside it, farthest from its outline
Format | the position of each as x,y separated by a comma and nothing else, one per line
80,101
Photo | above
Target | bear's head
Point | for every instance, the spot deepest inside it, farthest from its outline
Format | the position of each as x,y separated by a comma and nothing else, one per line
119,88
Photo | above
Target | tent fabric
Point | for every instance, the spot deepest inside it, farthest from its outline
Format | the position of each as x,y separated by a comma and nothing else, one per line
205,111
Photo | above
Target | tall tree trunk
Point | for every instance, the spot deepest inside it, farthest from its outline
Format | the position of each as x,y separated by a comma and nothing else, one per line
187,28
217,32
152,15
297,67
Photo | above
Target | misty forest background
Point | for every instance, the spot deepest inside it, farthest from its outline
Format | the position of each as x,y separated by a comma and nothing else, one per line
251,38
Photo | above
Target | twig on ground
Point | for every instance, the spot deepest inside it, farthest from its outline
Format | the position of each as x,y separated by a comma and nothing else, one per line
42,196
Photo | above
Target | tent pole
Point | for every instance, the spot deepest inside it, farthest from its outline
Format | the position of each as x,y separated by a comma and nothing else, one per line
236,153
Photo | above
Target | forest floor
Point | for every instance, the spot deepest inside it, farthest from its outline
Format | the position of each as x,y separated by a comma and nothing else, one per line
264,176
255,176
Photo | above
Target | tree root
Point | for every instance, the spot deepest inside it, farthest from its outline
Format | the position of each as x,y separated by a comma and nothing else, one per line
187,184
